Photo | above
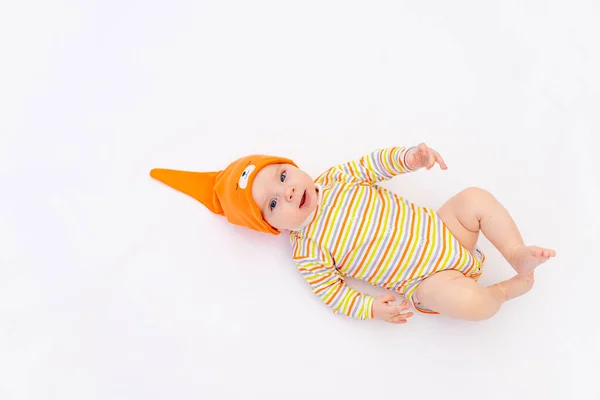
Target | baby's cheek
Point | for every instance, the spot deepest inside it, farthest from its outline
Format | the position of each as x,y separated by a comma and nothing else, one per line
286,216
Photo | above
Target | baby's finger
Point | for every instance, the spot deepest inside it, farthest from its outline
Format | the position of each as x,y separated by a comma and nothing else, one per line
431,159
395,310
397,320
405,315
440,160
422,147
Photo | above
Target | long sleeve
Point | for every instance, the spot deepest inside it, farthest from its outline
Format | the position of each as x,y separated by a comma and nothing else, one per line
379,165
317,268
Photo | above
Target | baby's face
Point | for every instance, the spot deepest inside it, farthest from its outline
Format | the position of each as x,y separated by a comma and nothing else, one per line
285,195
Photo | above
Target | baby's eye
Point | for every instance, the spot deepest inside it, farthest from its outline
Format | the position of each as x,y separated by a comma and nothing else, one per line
282,176
273,204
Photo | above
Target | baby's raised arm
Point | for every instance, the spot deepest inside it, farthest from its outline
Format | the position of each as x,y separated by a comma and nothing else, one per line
378,165
387,163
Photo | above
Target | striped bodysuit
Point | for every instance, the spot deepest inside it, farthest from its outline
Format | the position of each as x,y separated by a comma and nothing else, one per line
364,231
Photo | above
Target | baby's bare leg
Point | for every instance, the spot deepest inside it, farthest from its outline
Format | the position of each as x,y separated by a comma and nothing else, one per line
453,295
474,209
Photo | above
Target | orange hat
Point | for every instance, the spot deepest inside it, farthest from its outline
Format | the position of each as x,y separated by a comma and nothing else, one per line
227,192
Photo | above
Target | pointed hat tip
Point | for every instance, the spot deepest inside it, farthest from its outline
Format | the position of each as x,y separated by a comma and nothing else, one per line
157,173
199,185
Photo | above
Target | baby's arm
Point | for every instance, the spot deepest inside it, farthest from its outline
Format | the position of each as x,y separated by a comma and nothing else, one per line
317,268
379,165
384,164
328,284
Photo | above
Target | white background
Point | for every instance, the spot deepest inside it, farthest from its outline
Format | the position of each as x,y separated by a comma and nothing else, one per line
114,286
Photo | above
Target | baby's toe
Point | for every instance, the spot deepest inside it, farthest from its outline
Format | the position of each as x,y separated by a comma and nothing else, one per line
537,251
549,253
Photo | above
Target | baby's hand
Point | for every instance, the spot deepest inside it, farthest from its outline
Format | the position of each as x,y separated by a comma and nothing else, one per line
389,312
423,156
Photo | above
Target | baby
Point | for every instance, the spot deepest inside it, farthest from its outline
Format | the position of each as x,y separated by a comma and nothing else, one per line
343,224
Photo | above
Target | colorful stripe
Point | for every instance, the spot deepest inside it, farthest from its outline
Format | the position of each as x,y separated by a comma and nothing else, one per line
364,231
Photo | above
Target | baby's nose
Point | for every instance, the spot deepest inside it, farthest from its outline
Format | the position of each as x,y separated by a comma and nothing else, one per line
289,192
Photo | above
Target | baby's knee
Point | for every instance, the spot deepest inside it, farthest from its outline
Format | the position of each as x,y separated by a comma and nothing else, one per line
452,294
475,193
478,305
474,200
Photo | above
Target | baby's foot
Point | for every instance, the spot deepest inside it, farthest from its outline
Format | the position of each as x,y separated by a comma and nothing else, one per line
524,259
517,286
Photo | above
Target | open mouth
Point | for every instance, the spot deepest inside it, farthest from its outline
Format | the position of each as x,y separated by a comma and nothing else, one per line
302,200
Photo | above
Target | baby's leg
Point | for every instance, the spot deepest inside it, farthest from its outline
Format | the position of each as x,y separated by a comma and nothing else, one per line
474,209
452,294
